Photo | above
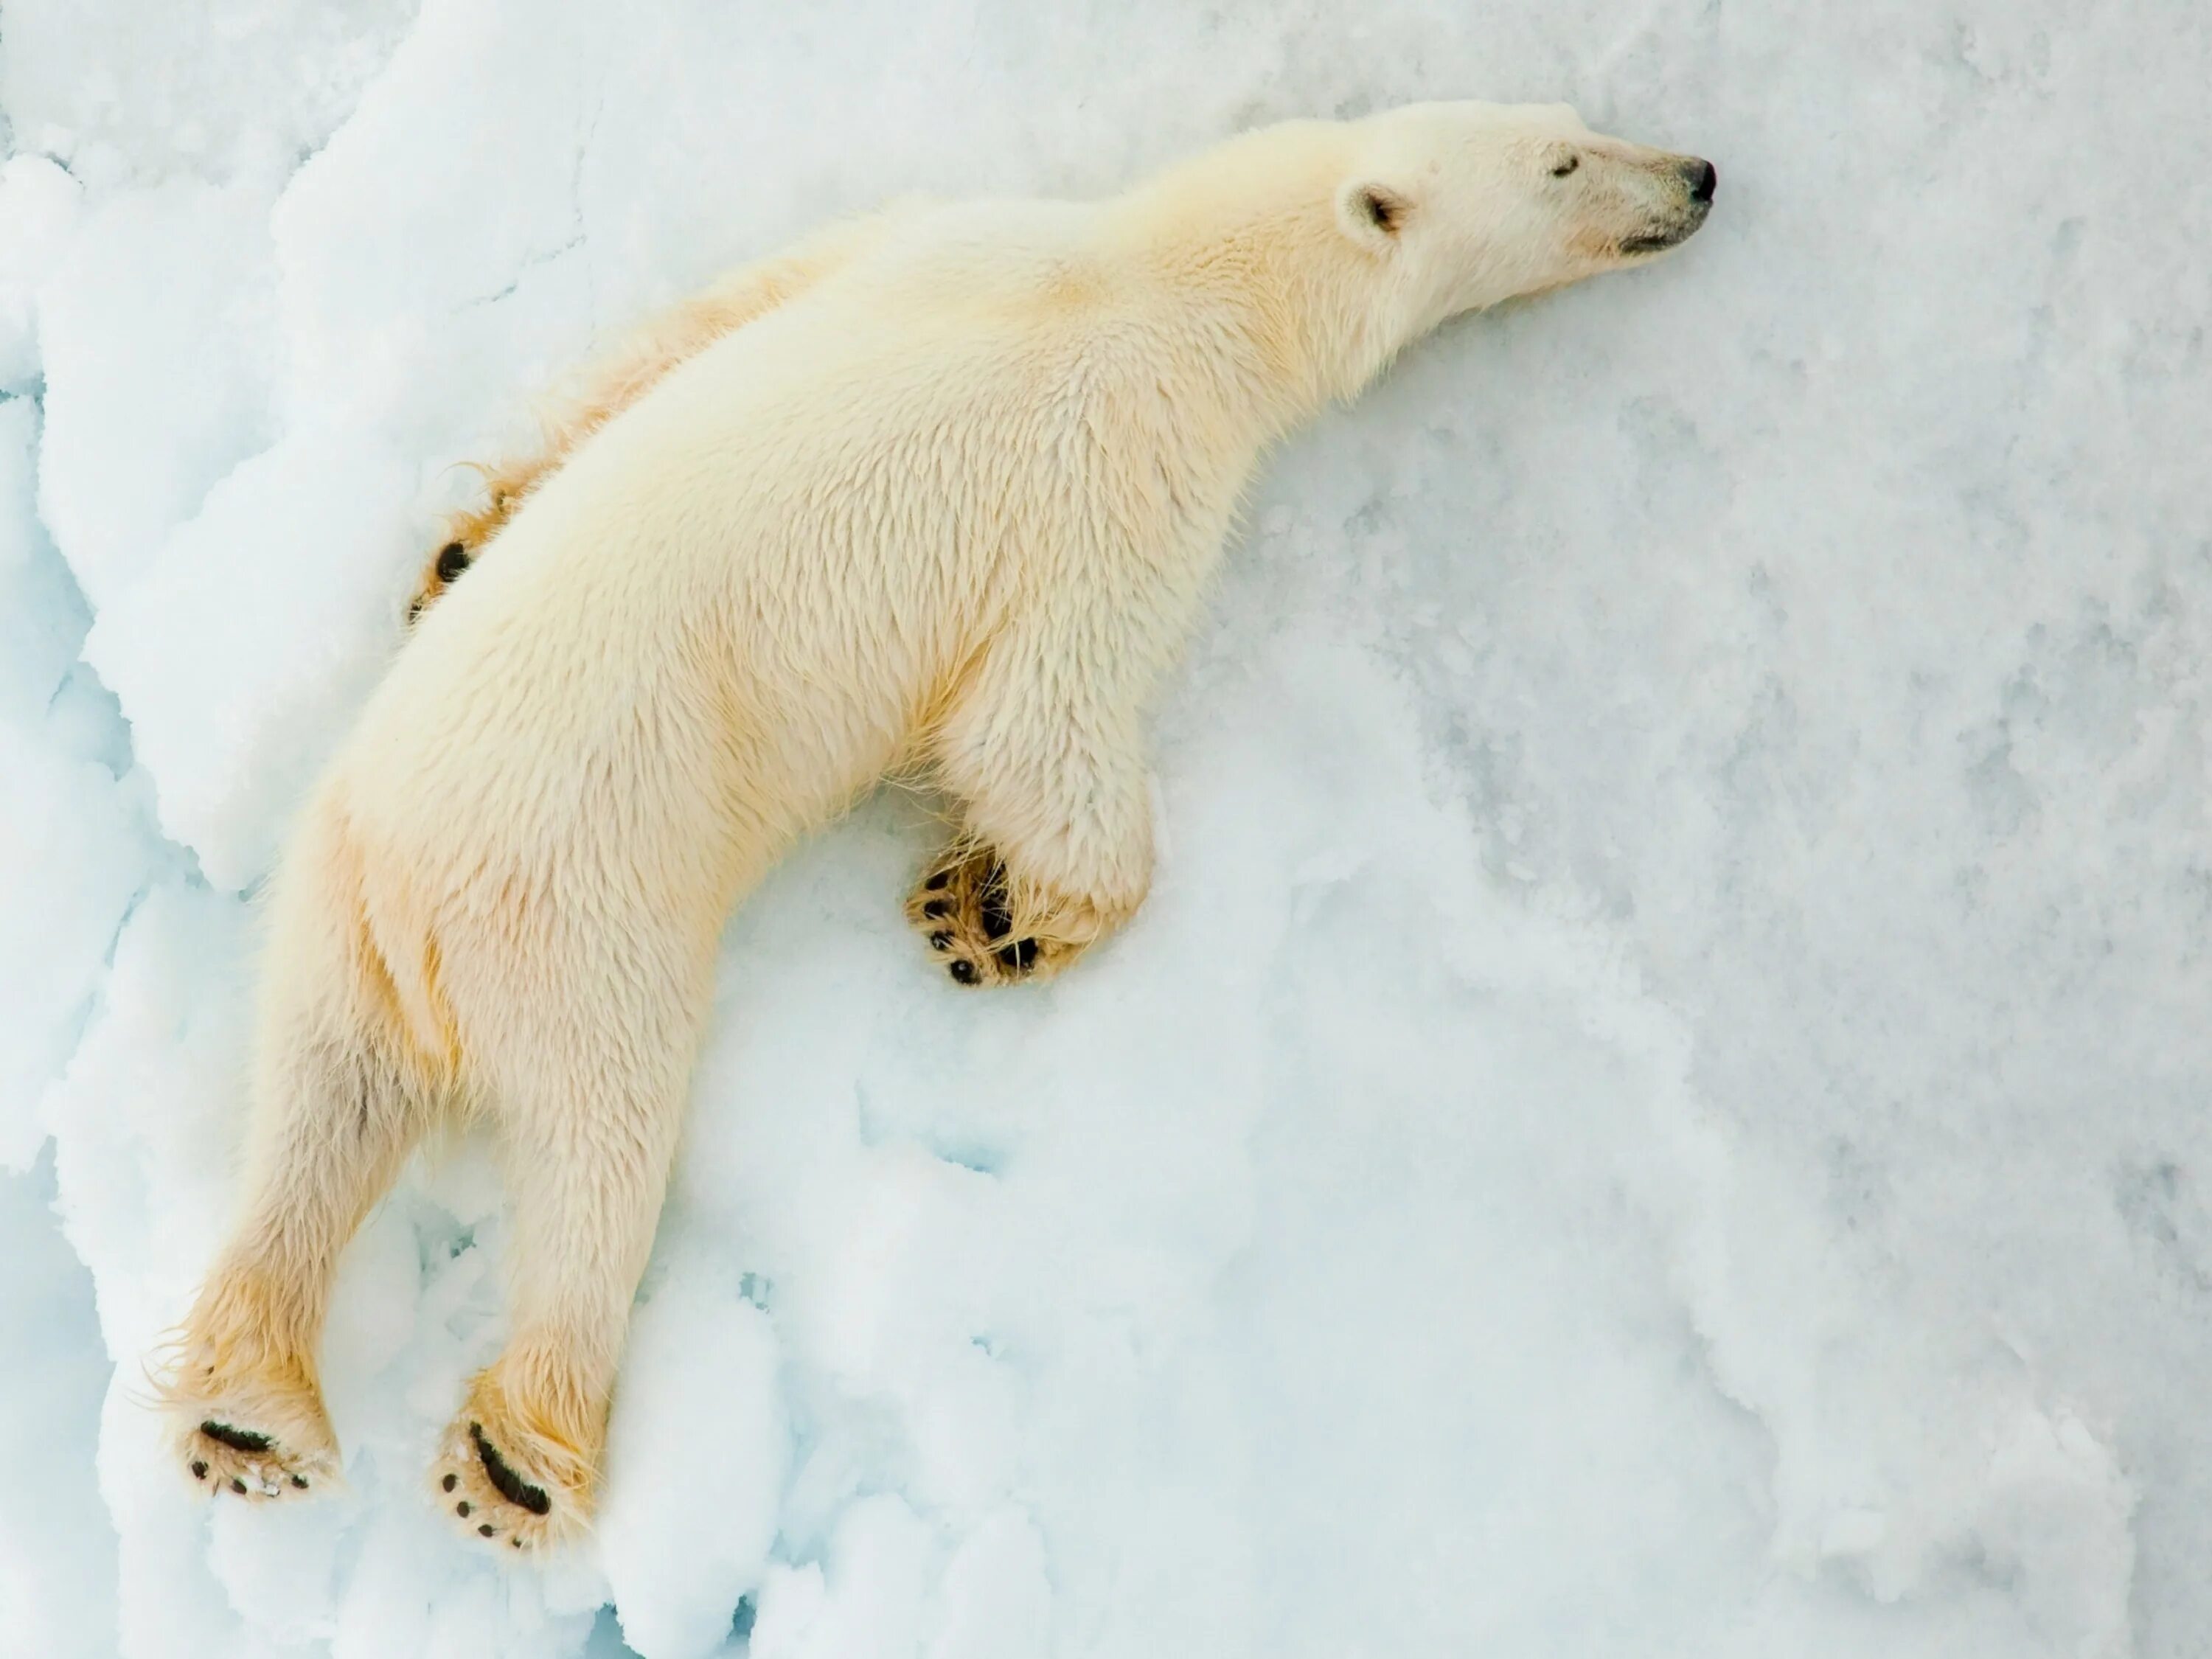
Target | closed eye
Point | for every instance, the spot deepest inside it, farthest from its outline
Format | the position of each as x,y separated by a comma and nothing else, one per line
1567,166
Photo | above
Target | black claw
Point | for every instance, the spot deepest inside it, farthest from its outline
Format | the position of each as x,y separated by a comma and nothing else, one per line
199,1471
301,1482
941,941
237,1485
962,969
461,1509
1018,955
451,1481
243,1440
517,1542
998,919
485,1529
452,559
935,910
512,1486
936,882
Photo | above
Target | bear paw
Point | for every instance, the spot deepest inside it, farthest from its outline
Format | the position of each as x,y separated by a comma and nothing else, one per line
965,909
486,1479
468,533
227,1454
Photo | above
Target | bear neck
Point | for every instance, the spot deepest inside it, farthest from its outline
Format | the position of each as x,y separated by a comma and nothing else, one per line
1299,315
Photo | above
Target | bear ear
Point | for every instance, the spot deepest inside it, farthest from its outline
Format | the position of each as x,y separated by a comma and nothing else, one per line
1373,213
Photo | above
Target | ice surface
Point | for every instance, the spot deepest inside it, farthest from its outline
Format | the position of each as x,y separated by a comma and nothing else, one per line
56,1543
1658,1105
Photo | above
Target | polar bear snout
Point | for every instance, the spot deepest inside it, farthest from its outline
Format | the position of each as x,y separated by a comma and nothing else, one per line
1685,202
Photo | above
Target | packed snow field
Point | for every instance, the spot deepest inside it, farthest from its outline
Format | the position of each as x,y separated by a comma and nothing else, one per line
1658,1105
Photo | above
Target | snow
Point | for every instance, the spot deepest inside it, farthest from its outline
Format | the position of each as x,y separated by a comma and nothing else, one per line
1657,1105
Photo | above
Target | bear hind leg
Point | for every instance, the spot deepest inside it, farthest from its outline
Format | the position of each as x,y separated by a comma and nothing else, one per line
520,1463
241,1387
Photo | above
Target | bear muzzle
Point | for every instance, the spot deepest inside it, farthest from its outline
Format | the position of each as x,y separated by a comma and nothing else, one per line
1699,179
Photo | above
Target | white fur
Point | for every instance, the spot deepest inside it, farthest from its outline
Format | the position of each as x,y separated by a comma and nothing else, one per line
951,497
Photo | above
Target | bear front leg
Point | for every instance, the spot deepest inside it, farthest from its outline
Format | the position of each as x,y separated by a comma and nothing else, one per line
988,928
1055,847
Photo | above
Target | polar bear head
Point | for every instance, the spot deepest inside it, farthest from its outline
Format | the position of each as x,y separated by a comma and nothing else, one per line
1352,239
1465,205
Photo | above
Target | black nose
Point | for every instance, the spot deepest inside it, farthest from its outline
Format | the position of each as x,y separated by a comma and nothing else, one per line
1701,178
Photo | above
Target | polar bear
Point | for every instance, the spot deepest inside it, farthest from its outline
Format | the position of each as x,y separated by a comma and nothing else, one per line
942,488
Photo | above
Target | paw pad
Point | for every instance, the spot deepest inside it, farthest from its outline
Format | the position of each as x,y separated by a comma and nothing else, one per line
243,1440
489,1495
512,1486
222,1457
